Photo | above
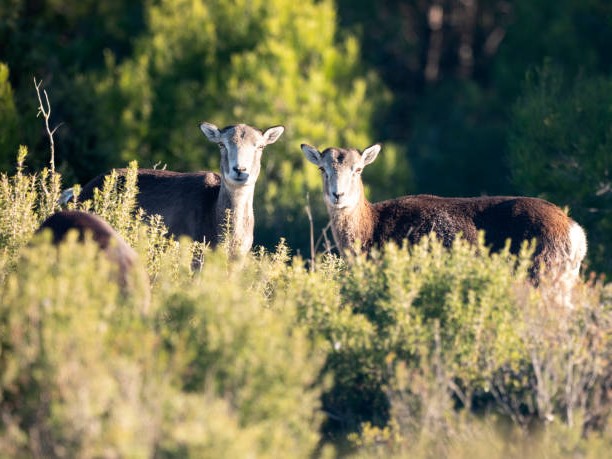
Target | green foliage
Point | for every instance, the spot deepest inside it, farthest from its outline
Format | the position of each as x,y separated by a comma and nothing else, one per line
416,352
560,149
468,438
396,305
263,63
25,201
454,127
64,42
85,373
559,356
411,335
572,33
226,340
8,118
543,366
75,375
122,377
261,356
461,142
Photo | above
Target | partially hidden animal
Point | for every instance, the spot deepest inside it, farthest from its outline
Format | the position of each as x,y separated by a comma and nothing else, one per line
561,243
203,205
87,225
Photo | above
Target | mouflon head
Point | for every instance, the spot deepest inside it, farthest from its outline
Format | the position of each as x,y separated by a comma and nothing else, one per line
241,148
341,169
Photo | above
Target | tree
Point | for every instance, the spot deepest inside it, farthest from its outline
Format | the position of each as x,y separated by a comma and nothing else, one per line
259,62
8,120
456,67
63,43
560,148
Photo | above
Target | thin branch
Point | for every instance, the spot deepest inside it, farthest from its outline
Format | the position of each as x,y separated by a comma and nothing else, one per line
56,128
323,237
45,111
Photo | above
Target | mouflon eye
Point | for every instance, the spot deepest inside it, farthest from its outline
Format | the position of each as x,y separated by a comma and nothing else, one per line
322,169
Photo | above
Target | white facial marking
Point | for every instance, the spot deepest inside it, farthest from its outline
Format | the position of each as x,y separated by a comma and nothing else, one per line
241,148
341,169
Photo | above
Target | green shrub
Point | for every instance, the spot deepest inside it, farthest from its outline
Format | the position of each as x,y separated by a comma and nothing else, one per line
25,201
117,381
535,368
77,369
463,327
392,307
404,352
233,344
86,373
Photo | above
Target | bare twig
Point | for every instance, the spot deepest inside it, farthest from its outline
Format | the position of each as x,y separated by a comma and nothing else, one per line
44,109
50,181
324,238
159,163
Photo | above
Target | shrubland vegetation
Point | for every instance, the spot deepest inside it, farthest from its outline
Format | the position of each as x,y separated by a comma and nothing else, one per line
411,352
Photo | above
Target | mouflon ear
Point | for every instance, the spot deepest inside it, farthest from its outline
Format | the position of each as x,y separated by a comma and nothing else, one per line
211,132
370,154
311,153
272,134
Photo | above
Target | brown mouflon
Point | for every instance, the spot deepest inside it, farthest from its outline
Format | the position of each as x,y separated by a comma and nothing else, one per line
560,242
195,204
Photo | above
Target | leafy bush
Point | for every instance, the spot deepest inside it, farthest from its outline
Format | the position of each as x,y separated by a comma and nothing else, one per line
25,201
86,373
117,380
392,308
411,335
403,352
76,374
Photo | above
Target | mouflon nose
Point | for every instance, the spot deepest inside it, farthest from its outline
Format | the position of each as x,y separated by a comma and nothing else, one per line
338,195
240,170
